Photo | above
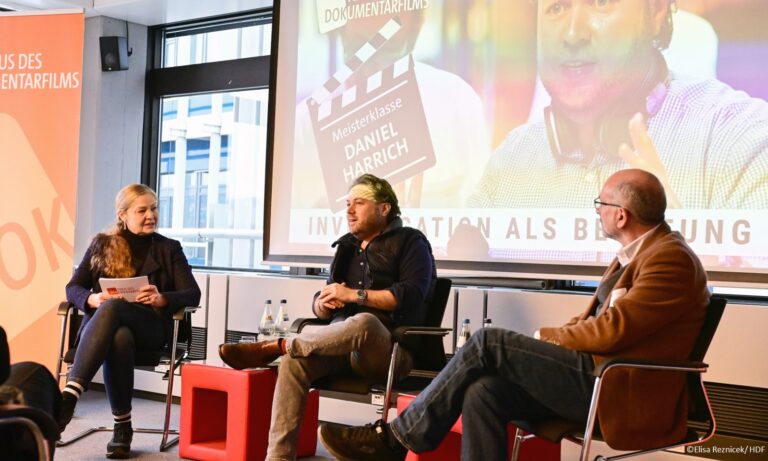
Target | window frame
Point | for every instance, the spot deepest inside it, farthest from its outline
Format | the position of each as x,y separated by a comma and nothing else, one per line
251,73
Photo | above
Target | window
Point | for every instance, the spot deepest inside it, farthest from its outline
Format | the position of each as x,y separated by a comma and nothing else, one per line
164,207
224,156
199,105
196,199
198,153
170,109
206,154
218,40
227,103
168,157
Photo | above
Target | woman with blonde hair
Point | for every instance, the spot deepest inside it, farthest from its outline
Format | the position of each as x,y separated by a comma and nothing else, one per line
113,328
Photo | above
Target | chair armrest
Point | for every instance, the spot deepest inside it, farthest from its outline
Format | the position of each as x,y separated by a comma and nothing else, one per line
400,332
64,308
300,323
658,365
48,427
181,312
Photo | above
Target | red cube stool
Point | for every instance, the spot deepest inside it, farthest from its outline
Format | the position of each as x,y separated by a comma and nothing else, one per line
225,414
450,448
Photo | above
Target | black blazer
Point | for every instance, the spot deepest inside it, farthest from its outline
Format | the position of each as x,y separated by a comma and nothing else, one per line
166,267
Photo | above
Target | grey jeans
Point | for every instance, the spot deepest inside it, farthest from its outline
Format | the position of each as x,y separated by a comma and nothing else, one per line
361,345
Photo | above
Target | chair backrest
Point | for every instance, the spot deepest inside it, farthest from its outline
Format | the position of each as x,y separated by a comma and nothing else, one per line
431,353
698,408
714,313
25,429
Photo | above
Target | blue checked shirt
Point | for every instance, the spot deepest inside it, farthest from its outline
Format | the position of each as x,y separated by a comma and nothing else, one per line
712,139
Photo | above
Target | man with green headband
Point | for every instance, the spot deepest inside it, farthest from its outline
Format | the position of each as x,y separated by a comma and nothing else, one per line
382,276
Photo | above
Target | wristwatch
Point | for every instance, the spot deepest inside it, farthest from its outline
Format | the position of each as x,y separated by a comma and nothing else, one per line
362,295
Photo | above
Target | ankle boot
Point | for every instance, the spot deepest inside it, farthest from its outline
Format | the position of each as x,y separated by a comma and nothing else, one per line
120,445
67,410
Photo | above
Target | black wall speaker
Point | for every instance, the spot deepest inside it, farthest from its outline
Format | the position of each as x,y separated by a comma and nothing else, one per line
114,53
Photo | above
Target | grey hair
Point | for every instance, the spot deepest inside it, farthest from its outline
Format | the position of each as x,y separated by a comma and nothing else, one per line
646,200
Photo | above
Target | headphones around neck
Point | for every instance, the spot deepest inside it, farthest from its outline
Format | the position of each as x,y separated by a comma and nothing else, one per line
613,128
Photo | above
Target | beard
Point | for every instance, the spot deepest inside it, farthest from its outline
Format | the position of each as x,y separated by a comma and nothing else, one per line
585,87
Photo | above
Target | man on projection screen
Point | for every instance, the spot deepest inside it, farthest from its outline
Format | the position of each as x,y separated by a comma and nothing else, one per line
383,276
649,305
616,105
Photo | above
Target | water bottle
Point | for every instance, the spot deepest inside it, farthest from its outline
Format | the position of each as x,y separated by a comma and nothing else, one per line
464,334
487,323
267,324
282,321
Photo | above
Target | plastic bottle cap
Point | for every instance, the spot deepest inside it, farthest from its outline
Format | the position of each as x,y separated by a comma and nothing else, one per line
269,301
283,301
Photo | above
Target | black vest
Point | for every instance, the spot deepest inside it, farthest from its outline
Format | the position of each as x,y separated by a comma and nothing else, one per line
384,254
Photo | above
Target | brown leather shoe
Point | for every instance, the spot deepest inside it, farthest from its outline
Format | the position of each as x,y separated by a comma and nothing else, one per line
250,355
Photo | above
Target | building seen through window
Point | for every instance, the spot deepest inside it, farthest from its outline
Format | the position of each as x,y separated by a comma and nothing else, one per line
211,151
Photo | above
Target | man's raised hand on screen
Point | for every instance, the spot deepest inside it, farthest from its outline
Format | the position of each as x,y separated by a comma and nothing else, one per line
645,156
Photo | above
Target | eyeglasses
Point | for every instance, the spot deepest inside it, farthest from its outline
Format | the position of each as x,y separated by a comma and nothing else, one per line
599,203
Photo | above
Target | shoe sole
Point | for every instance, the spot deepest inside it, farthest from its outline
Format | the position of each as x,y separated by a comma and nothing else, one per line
119,453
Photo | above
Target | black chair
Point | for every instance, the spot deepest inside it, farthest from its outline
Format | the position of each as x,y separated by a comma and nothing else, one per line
21,423
428,358
701,419
171,357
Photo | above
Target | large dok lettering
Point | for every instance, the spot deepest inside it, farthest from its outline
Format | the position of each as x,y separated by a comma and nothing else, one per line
18,259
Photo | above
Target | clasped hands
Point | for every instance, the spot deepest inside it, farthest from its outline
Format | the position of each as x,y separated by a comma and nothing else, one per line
336,295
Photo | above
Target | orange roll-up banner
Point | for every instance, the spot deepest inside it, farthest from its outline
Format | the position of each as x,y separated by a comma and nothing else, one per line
41,61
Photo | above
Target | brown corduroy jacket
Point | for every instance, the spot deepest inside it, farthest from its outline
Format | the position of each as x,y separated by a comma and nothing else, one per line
656,313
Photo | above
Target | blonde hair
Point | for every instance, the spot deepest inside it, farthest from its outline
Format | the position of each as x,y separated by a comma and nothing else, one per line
125,198
111,255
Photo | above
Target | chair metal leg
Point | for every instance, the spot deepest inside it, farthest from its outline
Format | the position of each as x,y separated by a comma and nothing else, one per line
60,359
164,443
165,431
519,439
591,418
136,430
83,434
390,382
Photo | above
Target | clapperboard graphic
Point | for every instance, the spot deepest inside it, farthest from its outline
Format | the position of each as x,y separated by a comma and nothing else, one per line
378,127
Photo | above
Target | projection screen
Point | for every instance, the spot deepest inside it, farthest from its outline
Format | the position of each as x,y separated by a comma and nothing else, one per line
498,121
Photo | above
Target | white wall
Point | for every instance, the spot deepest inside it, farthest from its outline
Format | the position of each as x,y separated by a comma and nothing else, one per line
111,127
